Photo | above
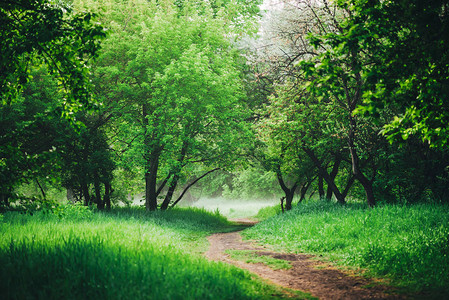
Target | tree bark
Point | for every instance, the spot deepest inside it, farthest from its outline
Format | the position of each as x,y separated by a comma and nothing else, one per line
333,174
304,189
348,185
170,192
330,182
162,185
86,196
175,178
289,192
107,195
367,184
320,185
289,198
97,187
150,185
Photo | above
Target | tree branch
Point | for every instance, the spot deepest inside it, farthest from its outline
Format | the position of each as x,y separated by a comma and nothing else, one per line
191,184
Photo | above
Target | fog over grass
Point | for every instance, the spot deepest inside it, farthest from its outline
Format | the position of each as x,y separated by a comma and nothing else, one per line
234,208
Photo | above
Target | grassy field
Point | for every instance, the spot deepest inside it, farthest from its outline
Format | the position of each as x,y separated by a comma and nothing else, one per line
408,244
75,253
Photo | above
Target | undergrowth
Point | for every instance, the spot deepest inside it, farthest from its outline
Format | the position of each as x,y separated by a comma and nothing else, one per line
409,244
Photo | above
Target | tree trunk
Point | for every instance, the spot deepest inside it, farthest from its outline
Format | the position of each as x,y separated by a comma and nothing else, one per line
86,196
352,101
304,189
348,185
150,185
330,182
170,192
107,195
320,185
333,175
174,182
289,192
289,198
4,199
97,187
367,184
329,193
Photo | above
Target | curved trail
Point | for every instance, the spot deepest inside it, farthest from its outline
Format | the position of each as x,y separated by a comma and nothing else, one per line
314,277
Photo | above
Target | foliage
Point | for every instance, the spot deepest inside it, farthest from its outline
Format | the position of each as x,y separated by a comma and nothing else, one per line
252,183
408,244
87,163
46,32
47,41
307,128
413,173
343,59
407,46
169,79
29,127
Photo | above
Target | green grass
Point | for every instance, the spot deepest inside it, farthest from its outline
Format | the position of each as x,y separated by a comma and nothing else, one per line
126,254
268,212
237,208
408,244
249,256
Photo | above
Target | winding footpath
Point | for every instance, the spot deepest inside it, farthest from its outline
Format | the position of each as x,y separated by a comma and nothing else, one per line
312,276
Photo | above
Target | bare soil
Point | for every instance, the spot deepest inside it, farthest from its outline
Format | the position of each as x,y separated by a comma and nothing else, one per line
319,279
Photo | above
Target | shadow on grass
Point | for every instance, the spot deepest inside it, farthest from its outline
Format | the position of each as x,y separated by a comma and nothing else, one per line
92,269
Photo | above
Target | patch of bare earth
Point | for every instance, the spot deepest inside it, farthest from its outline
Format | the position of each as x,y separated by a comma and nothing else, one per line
312,276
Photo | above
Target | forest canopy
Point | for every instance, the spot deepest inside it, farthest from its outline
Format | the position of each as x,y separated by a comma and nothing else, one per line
304,98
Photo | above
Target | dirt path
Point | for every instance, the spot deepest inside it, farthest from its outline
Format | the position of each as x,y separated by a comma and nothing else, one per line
314,277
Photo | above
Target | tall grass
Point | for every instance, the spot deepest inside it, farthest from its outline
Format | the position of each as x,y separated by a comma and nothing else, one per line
125,254
409,244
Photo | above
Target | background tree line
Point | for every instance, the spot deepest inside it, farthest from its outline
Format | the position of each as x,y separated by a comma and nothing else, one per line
338,99
355,92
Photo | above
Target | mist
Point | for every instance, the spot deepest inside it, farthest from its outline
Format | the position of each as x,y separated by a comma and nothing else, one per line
233,208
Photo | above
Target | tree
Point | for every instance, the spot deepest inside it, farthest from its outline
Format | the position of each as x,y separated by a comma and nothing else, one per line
169,78
86,162
330,62
33,33
314,124
407,45
336,75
